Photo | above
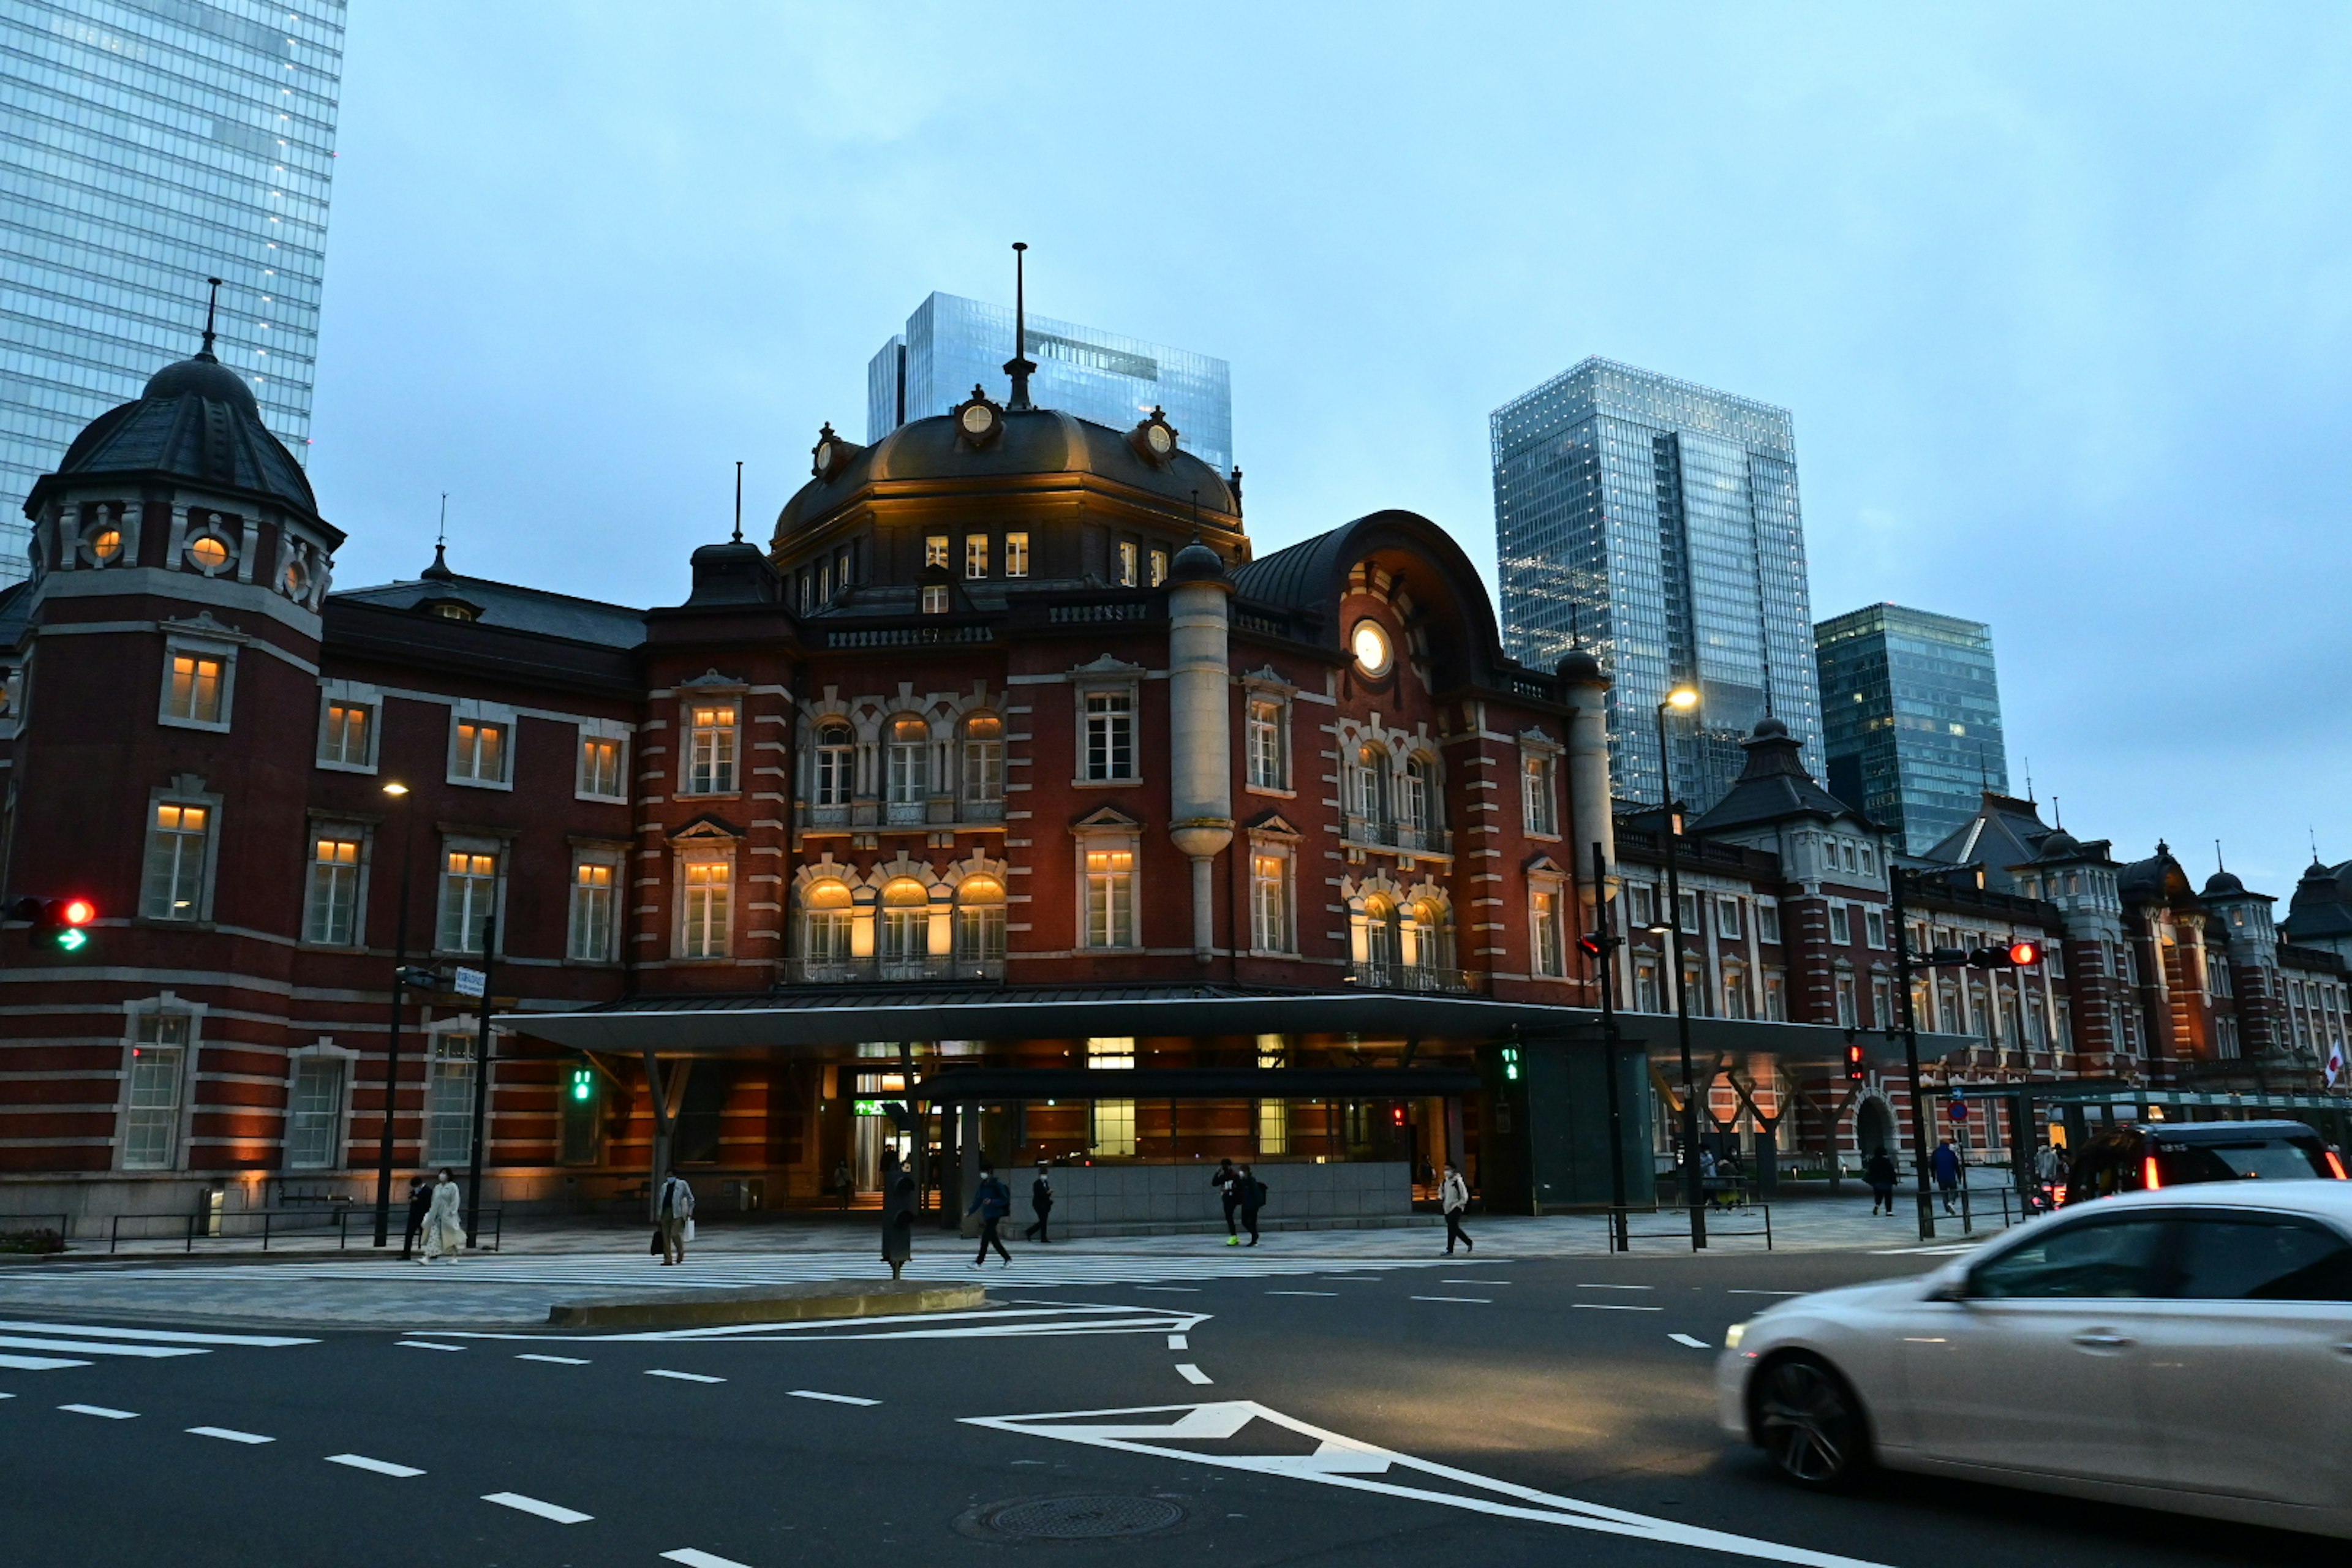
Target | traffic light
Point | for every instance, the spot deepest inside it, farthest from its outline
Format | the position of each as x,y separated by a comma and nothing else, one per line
1510,1064
584,1083
1857,1063
2018,954
1592,944
58,923
1396,1116
2024,955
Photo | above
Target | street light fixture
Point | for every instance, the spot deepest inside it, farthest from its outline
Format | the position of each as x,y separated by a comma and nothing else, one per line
398,793
1682,698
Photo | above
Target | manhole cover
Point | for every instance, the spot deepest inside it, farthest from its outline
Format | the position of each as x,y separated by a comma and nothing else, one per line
1072,1517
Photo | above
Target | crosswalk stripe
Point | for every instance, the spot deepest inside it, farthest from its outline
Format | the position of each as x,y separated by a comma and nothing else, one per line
94,1347
102,1410
36,1363
522,1504
380,1466
160,1336
229,1435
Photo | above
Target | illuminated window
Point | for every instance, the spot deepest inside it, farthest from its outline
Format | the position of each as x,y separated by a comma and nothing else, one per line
1270,901
975,555
1114,1127
1126,564
177,849
106,544
599,766
1110,898
481,751
836,763
591,910
1016,556
333,915
935,598
710,754
1110,735
707,903
209,553
469,880
1543,932
1114,1053
1269,758
980,921
195,689
348,736
1536,793
906,922
935,550
1273,1127
983,758
908,761
1159,567
1382,946
826,912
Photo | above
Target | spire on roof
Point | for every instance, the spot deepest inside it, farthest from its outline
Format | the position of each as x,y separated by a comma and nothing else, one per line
211,307
1018,367
439,570
739,501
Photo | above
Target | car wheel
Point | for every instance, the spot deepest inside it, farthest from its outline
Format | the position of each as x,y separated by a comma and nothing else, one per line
1809,1421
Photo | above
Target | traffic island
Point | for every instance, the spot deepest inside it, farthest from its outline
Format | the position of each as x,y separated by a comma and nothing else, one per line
763,1304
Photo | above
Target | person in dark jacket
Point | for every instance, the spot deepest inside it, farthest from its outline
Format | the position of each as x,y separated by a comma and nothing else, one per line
420,1202
991,1200
1229,1193
1454,1199
1945,1165
1879,1171
897,1213
1041,1201
1250,1197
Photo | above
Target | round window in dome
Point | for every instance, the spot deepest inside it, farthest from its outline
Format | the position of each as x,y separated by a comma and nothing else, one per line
106,544
296,581
209,551
1370,643
978,420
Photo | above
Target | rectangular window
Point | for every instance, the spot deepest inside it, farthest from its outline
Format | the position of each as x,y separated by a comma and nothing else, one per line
346,736
1114,1127
469,881
707,902
1645,989
1686,907
175,862
1273,1127
1727,917
975,555
979,933
1016,556
1735,991
1543,932
1110,898
710,749
599,766
1268,759
1768,922
808,590
1110,735
841,574
1873,927
836,758
935,550
481,751
334,917
1867,857
591,911
195,687
1126,564
935,598
1112,1052
1641,905
1845,1002
151,1129
1882,1002
1159,567
1536,793
1776,996
449,1100
315,1121
1270,902
824,581
1841,925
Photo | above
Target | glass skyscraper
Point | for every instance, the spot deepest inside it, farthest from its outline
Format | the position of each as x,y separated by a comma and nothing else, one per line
1656,522
952,344
146,145
1913,714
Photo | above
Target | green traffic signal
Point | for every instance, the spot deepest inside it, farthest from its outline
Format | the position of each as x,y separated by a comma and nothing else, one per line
72,939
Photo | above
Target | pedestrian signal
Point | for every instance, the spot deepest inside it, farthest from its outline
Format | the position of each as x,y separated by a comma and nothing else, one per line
1857,1064
1510,1064
584,1083
1396,1116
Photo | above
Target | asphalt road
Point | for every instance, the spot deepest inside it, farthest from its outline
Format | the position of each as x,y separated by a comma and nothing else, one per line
1360,1416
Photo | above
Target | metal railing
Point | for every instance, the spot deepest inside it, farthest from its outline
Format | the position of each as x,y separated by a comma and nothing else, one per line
1386,833
273,1224
1425,977
879,971
1681,1231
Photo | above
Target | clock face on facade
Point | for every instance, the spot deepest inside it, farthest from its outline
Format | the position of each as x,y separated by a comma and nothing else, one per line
979,418
1163,439
1371,646
824,455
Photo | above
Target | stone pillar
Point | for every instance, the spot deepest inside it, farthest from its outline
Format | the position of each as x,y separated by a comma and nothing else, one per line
1592,819
1200,722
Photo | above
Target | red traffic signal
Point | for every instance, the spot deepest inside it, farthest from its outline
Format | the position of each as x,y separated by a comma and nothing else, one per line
1857,1065
56,922
1396,1116
1590,943
2025,954
75,912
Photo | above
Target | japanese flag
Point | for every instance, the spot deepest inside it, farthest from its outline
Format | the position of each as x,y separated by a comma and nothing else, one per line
2335,1063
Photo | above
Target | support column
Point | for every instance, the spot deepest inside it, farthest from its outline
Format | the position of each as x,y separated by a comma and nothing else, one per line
1199,756
1591,820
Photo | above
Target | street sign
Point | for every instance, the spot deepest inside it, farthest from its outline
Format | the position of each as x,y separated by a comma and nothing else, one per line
1960,1111
469,982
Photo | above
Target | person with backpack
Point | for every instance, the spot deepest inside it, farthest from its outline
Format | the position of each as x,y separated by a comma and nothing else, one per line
1251,1195
1229,1195
1041,1203
420,1200
897,1213
991,1200
1945,1165
1879,1171
1453,1197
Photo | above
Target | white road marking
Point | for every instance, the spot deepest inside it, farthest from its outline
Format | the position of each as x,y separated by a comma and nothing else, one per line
1178,1343
1340,1461
1192,1373
1302,1292
101,1410
1611,1307
1616,1287
36,1363
832,1398
380,1467
522,1504
1356,1279
694,1559
553,1359
1170,1290
1472,1301
682,1376
1474,1282
161,1336
92,1347
229,1435
1687,1340
424,1345
1057,1318
1764,1292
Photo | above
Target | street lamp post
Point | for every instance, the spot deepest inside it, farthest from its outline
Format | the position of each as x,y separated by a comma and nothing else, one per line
1604,946
1681,700
399,793
1895,876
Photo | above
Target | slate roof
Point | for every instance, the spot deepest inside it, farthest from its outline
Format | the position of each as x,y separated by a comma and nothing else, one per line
1773,787
196,420
509,608
2005,832
2322,905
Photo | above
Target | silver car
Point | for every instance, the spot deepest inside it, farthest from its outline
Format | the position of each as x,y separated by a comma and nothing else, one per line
2188,1348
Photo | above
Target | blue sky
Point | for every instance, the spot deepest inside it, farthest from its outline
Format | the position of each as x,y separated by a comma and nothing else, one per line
2062,300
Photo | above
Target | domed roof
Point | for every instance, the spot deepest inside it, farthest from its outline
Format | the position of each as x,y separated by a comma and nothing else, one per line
1577,666
2223,885
1770,729
1196,563
2059,846
197,420
1031,441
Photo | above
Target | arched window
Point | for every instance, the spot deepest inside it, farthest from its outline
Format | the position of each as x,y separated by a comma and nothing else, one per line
979,921
983,759
908,769
1382,948
906,924
836,763
1433,935
1368,795
825,930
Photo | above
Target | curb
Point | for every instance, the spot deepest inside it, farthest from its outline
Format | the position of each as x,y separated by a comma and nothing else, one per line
763,1304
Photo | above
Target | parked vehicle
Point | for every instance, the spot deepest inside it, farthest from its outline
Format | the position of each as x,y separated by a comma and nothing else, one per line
2153,1155
2186,1348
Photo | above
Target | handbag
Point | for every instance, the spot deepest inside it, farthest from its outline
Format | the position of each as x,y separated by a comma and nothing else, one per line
690,1227
657,1247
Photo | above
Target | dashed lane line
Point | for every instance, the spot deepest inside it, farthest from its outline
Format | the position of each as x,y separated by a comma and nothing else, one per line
1694,1343
378,1467
1302,1292
1192,1373
682,1376
160,1336
522,1504
1611,1307
1616,1287
38,1363
831,1398
1468,1301
101,1410
692,1558
1169,1289
94,1347
229,1435
424,1345
552,1360
1737,1292
1474,1282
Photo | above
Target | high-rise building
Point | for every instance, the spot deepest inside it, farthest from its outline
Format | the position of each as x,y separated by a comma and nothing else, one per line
952,344
1911,713
1656,523
145,146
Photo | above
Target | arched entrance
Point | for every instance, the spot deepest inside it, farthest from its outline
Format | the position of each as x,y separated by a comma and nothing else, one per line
1874,1127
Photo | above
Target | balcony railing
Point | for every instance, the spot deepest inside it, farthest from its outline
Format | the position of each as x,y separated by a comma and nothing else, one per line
879,971
1428,977
1388,834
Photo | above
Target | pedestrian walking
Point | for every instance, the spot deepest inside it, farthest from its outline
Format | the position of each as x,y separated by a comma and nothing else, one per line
1879,1171
1453,1197
1707,1168
1041,1203
441,1236
1251,1193
1229,1193
897,1213
2045,1172
420,1199
1945,1165
991,1200
841,1183
674,1219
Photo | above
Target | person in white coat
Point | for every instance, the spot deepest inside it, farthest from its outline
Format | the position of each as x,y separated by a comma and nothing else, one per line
674,1217
443,1237
1453,1197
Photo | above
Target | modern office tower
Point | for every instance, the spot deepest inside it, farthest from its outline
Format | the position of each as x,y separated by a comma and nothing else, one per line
1656,523
1911,713
145,146
952,344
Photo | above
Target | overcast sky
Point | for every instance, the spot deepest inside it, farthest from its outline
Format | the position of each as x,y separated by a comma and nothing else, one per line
2062,299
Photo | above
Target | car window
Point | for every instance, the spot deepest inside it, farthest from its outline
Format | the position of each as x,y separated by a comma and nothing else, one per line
2104,1257
2272,1159
2260,1258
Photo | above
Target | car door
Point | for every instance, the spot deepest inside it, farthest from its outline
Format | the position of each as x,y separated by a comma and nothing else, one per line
2036,1367
2249,1371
